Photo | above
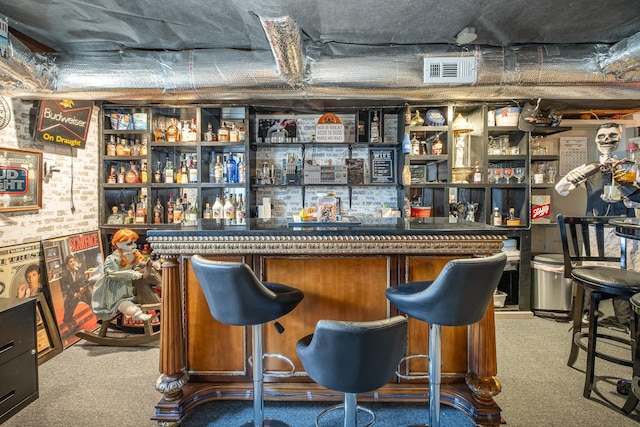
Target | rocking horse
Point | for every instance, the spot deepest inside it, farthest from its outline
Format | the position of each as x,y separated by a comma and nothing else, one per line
148,301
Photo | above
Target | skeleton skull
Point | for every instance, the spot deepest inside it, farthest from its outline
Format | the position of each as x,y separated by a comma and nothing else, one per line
608,137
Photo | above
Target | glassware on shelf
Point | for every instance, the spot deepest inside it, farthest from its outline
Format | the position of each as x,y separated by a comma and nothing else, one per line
508,173
551,174
539,169
537,149
519,174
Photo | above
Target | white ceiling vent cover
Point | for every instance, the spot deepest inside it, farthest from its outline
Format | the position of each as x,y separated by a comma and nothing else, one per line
450,69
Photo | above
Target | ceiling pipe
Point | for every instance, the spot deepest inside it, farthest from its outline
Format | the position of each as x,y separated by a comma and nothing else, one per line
284,38
623,57
22,70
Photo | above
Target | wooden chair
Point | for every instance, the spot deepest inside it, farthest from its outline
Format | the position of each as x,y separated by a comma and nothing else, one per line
602,282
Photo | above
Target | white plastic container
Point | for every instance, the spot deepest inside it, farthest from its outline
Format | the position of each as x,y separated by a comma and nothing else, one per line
508,116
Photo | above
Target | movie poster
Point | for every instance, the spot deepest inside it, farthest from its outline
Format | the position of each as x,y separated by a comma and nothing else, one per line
74,264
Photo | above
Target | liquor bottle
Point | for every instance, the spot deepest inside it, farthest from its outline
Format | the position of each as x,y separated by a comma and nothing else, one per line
172,131
184,171
170,207
169,173
496,217
207,213
374,135
178,212
212,164
243,132
146,251
436,147
158,213
477,173
234,133
135,147
193,171
111,146
217,208
208,136
232,170
223,133
115,217
113,177
241,169
218,171
185,131
121,175
132,175
161,133
240,211
141,210
126,150
144,173
120,147
144,148
157,174
193,213
228,211
193,131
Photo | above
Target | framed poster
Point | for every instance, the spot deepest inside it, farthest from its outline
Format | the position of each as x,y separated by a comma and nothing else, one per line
74,263
382,166
47,337
20,180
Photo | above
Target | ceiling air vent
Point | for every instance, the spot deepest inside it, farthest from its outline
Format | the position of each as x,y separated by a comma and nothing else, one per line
459,69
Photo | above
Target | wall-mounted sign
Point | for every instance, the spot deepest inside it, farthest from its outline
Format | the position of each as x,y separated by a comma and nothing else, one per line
64,122
382,166
20,180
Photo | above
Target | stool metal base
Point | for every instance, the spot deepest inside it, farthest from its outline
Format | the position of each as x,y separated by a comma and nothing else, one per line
266,423
371,422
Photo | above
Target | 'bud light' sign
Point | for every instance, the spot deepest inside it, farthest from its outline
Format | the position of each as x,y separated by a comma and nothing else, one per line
14,180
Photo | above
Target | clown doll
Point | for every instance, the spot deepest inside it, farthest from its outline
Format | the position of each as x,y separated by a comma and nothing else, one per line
113,292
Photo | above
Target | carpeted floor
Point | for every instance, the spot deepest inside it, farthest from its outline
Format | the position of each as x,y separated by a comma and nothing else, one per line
90,385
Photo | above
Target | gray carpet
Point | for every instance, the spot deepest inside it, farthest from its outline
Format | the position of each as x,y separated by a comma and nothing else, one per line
90,385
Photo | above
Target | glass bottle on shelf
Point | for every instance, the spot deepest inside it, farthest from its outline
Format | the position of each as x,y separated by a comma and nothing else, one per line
193,131
135,147
132,175
113,177
126,151
477,173
144,149
144,173
207,213
158,212
228,210
178,212
240,211
232,170
184,172
241,169
496,217
161,133
120,147
193,212
209,133
437,147
111,146
157,174
171,204
141,210
115,217
173,134
121,175
218,171
374,135
217,208
234,133
185,131
193,170
223,133
169,173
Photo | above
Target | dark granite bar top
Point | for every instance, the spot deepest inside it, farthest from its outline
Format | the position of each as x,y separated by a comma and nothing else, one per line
367,226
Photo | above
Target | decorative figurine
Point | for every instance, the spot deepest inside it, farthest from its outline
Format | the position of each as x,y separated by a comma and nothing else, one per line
113,291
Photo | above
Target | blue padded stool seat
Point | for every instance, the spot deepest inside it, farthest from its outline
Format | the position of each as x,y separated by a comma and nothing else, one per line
460,295
353,357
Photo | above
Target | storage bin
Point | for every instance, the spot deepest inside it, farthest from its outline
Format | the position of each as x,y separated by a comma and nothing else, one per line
551,291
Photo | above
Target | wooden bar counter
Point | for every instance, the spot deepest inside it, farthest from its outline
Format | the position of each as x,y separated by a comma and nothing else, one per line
343,272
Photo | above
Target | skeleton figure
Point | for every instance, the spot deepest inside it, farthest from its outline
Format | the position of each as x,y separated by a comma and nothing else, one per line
598,176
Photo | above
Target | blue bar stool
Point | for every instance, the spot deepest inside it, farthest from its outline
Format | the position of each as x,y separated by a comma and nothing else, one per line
237,297
459,296
353,357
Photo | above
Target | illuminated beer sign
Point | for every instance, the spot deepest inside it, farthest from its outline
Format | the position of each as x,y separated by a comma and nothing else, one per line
14,180
64,122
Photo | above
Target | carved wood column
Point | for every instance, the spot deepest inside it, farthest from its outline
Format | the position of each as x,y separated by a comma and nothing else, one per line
482,365
172,364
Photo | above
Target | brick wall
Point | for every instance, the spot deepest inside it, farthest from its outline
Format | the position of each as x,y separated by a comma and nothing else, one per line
75,186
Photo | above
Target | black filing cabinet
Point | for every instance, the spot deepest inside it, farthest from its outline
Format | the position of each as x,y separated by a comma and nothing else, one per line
18,355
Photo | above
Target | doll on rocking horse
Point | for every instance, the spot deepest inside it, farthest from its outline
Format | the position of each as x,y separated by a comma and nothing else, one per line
122,289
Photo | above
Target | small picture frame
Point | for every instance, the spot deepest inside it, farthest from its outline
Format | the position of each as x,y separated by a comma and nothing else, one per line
382,166
48,339
20,180
418,174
